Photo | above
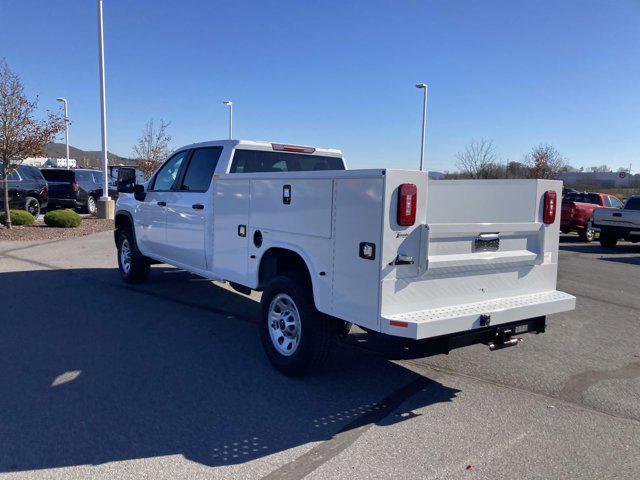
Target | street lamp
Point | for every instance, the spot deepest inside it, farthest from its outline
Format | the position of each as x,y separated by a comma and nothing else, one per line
66,125
229,103
424,120
106,205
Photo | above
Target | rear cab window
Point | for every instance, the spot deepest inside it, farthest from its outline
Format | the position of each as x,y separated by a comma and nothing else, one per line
583,198
59,175
633,204
258,161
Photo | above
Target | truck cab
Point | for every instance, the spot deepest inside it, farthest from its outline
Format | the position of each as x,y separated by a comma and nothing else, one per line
392,251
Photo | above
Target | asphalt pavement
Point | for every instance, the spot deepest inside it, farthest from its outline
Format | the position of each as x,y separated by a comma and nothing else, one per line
167,379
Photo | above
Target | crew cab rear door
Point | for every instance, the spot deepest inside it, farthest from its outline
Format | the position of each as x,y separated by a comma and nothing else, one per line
189,209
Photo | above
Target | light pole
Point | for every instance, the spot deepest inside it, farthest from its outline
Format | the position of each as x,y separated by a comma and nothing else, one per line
229,103
424,120
106,204
66,125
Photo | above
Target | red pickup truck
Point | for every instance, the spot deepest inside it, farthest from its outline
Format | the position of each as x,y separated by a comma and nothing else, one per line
577,209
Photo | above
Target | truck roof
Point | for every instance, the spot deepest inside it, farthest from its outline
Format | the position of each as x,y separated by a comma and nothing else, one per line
262,145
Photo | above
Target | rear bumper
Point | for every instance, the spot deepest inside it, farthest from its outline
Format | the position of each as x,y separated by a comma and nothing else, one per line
438,322
620,232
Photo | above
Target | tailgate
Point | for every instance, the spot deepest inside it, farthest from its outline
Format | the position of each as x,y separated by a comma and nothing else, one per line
478,247
60,183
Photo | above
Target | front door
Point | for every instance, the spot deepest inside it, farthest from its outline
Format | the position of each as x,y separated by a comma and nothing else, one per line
189,211
151,214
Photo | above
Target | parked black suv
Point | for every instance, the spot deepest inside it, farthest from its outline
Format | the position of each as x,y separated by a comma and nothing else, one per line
28,190
78,189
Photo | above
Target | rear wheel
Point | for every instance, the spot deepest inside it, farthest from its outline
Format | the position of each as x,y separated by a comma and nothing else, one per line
295,336
133,266
32,205
607,240
91,206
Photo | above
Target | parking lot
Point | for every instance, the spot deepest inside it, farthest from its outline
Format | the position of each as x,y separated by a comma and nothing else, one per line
168,380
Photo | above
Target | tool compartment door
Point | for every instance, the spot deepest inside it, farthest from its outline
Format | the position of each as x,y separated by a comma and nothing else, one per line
357,217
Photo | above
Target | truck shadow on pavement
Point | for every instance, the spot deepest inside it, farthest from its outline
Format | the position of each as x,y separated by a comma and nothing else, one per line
95,371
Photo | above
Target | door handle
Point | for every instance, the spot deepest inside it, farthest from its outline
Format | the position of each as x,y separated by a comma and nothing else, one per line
617,214
197,206
162,204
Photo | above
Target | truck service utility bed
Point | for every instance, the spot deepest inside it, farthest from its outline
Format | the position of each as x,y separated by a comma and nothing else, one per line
389,250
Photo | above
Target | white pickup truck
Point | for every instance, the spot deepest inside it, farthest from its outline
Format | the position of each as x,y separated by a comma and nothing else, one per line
616,224
454,262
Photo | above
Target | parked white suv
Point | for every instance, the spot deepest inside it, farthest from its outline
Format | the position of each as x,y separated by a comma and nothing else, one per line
456,262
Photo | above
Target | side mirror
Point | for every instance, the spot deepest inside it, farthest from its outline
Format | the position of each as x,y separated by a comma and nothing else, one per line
126,180
139,193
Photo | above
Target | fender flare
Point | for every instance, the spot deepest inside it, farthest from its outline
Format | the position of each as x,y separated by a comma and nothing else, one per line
297,250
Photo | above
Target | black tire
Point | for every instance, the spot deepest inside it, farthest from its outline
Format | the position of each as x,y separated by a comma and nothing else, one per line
91,206
565,231
317,331
607,240
32,205
587,235
136,270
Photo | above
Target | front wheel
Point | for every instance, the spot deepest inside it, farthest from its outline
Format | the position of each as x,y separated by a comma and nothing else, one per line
295,336
587,235
133,266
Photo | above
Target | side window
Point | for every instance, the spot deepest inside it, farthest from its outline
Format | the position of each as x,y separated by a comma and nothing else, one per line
606,201
14,176
97,177
615,203
83,177
166,176
200,170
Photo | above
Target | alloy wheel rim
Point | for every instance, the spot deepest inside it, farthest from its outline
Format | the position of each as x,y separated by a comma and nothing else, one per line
125,256
91,204
32,208
284,324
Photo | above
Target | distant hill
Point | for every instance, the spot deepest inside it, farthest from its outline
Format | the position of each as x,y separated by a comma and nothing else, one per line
85,158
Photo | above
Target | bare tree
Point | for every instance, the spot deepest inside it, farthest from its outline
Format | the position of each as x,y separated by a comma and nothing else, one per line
152,147
21,135
479,160
544,161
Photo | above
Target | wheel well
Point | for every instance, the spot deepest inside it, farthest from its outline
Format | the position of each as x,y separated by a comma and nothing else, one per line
122,221
277,261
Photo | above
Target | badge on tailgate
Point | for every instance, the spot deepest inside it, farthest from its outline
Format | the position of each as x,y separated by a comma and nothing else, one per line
487,242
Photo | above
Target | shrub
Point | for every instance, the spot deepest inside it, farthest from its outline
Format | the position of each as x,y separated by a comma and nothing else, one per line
18,217
62,219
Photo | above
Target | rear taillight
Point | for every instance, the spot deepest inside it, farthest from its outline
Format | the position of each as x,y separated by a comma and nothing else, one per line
74,186
407,201
550,206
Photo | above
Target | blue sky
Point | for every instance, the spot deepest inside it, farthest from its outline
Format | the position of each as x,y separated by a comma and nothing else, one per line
341,74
